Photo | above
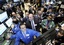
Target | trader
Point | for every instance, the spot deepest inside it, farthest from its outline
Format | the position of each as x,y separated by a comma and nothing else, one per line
15,26
25,35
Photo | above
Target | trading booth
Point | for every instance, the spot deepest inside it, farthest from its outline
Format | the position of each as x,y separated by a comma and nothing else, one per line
5,23
48,38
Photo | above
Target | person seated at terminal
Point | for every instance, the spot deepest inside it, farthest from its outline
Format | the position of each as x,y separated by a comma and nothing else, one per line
25,35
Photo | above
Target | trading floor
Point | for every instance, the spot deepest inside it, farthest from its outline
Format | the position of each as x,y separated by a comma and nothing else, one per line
31,22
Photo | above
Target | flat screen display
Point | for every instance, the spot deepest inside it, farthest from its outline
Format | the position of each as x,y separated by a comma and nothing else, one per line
16,0
2,28
9,22
3,16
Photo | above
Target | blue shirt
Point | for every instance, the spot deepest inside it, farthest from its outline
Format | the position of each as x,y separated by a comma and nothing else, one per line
29,36
16,28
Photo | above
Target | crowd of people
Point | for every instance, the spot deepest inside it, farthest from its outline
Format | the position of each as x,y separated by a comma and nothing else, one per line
45,17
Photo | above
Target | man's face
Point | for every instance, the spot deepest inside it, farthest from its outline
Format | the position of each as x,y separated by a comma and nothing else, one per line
32,7
17,7
27,13
49,17
42,9
13,14
39,12
62,27
15,21
50,10
23,28
30,17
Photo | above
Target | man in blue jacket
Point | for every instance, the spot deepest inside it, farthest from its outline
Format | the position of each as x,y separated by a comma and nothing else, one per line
15,26
25,35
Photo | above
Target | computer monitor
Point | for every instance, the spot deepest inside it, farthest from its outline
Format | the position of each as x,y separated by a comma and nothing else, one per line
9,22
16,0
3,16
46,38
2,28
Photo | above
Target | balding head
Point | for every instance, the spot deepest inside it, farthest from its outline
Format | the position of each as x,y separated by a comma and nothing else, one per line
31,17
39,12
13,14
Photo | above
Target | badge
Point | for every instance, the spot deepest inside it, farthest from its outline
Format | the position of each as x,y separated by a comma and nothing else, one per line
27,34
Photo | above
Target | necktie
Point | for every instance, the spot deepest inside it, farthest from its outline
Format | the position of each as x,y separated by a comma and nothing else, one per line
24,34
32,24
48,24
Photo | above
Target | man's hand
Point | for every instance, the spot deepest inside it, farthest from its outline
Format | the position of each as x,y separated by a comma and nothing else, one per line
8,37
12,26
46,27
59,34
11,31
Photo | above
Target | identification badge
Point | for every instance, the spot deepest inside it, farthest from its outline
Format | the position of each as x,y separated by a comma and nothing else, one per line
27,34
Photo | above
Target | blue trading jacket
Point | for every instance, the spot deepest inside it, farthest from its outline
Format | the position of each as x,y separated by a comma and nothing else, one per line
16,28
29,36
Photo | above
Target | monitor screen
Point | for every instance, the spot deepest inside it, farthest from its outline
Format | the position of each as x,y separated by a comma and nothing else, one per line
16,0
2,28
9,22
3,16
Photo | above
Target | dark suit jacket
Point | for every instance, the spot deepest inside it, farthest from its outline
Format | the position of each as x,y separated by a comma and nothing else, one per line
9,11
25,19
36,20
